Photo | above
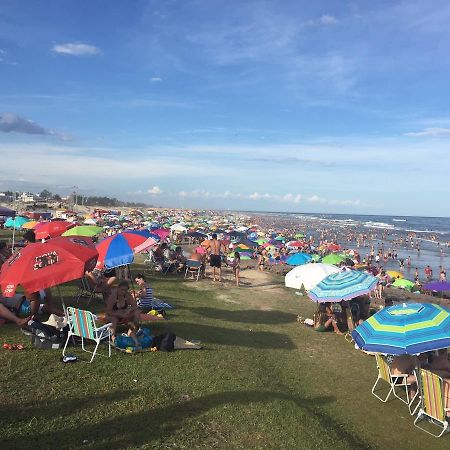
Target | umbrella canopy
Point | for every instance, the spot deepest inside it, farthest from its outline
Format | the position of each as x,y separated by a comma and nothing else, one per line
16,222
403,283
6,212
332,258
296,244
394,274
333,247
43,265
83,230
90,221
405,329
438,286
297,259
119,249
29,225
308,275
52,229
343,286
178,227
161,232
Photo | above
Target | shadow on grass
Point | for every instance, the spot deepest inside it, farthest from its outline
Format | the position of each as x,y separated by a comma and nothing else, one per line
145,427
48,409
247,316
234,337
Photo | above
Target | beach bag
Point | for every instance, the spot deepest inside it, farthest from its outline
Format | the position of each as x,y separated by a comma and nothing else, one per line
165,342
46,337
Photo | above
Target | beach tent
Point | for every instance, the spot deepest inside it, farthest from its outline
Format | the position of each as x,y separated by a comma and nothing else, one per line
308,275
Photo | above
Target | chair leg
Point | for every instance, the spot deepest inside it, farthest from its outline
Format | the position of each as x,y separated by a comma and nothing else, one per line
384,400
95,350
422,416
67,341
402,385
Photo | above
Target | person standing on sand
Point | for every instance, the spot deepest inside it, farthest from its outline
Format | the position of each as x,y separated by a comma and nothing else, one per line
215,256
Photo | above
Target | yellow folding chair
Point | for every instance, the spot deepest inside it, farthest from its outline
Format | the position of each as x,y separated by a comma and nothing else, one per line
432,408
395,382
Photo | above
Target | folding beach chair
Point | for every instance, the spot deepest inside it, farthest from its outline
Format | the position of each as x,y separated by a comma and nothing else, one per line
194,268
432,405
82,324
397,381
85,290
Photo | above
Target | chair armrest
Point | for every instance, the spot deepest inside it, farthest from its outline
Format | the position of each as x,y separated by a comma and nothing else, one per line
103,327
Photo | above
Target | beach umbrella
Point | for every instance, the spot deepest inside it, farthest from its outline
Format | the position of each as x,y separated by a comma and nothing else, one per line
16,222
83,230
178,227
296,244
334,259
297,259
43,265
406,329
90,221
52,229
403,283
343,286
119,249
161,232
7,212
333,247
308,275
394,274
438,286
29,225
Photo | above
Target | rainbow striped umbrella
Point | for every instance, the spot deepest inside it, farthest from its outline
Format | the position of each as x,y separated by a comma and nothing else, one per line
407,329
343,286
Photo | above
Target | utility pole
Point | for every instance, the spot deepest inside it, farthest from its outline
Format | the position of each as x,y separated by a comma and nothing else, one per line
75,197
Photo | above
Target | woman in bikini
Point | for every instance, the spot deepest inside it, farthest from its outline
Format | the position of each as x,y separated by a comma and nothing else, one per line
122,307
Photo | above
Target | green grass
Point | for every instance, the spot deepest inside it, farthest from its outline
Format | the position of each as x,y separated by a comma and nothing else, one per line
261,381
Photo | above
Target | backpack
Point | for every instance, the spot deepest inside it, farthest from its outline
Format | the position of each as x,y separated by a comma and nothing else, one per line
164,342
46,337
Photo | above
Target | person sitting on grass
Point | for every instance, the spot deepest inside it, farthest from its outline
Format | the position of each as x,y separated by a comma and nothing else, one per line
144,294
43,297
121,307
329,319
5,313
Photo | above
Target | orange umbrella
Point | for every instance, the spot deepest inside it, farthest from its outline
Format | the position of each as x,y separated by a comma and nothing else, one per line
30,225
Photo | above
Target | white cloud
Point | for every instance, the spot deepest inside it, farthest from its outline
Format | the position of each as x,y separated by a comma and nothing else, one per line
257,196
430,132
155,79
75,49
155,190
326,19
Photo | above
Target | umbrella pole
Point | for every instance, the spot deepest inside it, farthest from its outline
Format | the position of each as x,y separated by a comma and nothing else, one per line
13,236
62,300
131,280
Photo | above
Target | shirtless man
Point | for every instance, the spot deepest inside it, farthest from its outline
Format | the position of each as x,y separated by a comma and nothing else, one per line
215,258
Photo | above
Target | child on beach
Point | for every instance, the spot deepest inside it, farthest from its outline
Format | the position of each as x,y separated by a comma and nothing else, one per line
236,266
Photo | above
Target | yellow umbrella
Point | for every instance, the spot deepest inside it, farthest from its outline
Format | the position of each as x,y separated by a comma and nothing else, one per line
394,274
30,225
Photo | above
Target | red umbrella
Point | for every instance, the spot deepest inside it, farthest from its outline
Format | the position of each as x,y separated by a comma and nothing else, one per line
333,247
45,230
43,265
297,244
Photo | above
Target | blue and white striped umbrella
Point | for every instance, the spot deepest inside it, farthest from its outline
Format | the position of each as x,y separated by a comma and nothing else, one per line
409,329
343,286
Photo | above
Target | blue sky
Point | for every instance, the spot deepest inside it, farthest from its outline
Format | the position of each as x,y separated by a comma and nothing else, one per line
327,106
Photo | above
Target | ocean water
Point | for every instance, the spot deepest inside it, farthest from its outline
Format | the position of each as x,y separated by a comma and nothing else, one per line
402,234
